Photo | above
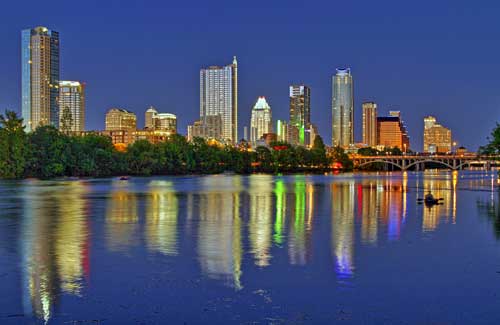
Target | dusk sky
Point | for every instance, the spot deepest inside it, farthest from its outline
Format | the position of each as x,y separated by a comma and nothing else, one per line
425,57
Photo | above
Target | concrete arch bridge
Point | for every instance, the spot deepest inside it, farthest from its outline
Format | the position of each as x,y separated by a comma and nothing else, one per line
418,162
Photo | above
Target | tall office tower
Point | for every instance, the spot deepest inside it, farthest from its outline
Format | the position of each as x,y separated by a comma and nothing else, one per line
437,138
71,106
342,109
219,96
118,119
300,110
149,117
300,106
261,122
391,132
370,124
40,77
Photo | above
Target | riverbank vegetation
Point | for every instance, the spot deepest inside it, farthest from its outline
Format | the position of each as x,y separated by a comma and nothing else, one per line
48,153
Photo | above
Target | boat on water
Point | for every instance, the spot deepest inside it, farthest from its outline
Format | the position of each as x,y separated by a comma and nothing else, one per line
124,178
430,200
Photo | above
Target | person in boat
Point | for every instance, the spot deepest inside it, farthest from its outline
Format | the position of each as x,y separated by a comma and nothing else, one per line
429,197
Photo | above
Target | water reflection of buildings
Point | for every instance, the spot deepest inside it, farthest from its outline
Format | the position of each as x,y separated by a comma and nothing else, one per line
122,218
161,218
343,227
219,228
301,202
442,186
261,218
54,243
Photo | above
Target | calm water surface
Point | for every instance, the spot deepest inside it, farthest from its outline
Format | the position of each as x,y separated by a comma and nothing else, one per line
346,249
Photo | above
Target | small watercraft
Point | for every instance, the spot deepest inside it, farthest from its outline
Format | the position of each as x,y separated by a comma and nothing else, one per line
124,178
429,200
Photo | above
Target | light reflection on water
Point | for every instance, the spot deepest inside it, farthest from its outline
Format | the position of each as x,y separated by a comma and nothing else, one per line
224,223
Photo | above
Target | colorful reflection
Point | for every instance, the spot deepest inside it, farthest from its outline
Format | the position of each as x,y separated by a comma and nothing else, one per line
162,209
443,186
261,218
55,244
342,209
225,219
219,229
301,210
122,218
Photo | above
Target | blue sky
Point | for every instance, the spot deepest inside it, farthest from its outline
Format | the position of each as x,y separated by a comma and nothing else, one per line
426,57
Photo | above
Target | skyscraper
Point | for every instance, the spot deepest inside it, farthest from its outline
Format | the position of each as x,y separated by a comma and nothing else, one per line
219,96
261,122
300,106
370,124
437,138
40,77
71,106
342,108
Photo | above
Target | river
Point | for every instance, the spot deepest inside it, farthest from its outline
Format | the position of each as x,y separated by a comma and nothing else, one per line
259,249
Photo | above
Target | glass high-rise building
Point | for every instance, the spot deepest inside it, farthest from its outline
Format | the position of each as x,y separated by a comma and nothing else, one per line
370,123
342,108
71,106
40,77
300,106
219,96
261,122
300,110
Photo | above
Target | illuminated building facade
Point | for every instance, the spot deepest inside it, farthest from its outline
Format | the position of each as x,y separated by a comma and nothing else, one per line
437,138
40,77
219,96
391,132
120,119
71,106
287,132
300,108
166,122
369,124
210,128
149,117
342,108
261,122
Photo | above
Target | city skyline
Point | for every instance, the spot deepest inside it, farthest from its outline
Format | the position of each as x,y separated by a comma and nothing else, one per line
49,101
395,77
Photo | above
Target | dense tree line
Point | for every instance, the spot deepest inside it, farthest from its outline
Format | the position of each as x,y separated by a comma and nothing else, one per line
48,153
493,146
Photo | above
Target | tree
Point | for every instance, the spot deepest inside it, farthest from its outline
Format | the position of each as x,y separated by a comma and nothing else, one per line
493,147
14,148
339,155
368,151
264,159
51,153
318,151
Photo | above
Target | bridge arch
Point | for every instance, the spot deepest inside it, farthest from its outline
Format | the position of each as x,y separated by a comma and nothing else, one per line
430,161
380,161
